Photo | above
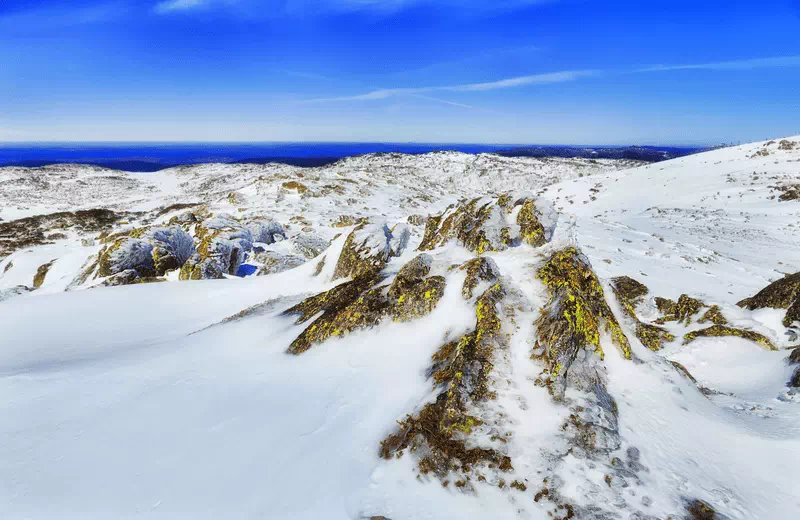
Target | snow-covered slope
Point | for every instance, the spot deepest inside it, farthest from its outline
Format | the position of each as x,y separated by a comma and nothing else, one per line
457,339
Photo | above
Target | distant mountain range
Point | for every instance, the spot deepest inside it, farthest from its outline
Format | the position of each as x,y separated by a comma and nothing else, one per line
150,157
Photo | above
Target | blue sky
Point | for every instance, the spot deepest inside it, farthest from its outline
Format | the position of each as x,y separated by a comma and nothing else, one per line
502,71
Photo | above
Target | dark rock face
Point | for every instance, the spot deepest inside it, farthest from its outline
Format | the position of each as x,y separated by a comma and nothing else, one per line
680,311
480,269
366,251
781,294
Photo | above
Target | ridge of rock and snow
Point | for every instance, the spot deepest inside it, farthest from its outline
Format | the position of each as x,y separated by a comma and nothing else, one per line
465,346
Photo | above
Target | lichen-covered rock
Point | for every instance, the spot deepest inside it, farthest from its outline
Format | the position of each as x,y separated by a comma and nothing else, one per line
531,229
574,315
781,294
273,262
723,330
349,220
629,293
479,225
41,274
480,269
416,220
172,247
221,246
126,253
309,245
700,510
794,359
680,311
366,251
714,315
361,303
461,370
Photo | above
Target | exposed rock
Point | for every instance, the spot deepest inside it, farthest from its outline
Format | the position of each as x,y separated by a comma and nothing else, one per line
309,245
531,229
273,262
349,220
630,293
700,510
30,231
480,269
266,231
714,315
682,311
572,320
365,252
723,330
479,228
416,220
126,253
172,247
461,370
295,186
8,267
221,246
357,304
781,294
41,274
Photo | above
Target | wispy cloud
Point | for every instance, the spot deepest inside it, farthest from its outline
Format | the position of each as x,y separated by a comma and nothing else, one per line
53,17
757,63
170,6
535,79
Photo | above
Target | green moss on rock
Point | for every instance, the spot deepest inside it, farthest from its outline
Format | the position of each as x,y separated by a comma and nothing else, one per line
723,330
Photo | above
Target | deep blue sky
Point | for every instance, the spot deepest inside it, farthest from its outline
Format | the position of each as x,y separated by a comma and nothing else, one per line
489,71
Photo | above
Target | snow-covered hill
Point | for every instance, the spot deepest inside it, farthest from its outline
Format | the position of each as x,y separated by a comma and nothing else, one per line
436,336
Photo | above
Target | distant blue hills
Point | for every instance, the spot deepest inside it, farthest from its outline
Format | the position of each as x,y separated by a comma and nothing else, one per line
149,157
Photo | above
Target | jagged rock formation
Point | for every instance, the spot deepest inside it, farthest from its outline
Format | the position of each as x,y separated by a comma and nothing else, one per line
570,326
362,302
482,225
680,311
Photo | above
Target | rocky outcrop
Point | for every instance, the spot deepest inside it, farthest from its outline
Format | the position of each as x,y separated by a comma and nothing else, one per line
439,432
570,325
680,311
272,262
363,302
794,360
629,293
309,245
367,249
781,294
30,231
41,274
723,330
479,270
172,247
221,243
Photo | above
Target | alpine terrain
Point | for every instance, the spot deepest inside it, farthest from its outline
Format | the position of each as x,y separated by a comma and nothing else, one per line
392,336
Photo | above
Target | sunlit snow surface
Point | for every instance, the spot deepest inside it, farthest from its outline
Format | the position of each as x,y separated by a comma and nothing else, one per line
136,402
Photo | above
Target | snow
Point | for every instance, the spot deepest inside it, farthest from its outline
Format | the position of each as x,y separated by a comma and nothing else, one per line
146,401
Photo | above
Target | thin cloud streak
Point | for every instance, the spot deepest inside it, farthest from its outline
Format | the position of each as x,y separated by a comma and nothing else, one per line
536,79
757,63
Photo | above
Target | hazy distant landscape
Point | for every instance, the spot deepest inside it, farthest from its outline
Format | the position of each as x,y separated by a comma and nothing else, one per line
143,157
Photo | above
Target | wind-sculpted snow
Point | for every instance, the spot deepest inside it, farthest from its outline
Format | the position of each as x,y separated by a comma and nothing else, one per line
435,336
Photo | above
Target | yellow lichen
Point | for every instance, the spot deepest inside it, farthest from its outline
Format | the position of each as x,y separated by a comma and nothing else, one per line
722,330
